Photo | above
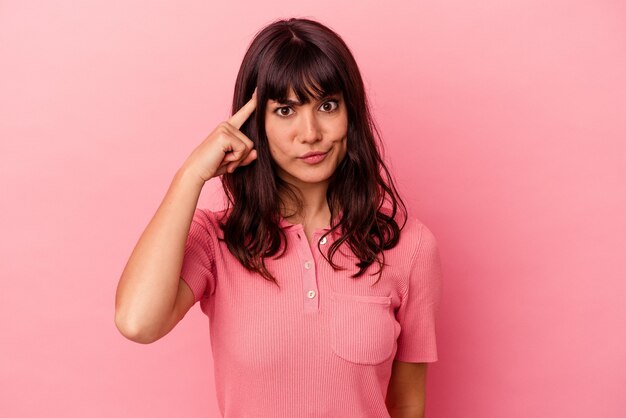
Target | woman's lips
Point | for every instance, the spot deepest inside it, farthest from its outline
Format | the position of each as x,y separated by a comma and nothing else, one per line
314,159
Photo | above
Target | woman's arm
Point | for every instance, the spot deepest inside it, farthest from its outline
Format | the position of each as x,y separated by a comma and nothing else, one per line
407,390
146,302
148,288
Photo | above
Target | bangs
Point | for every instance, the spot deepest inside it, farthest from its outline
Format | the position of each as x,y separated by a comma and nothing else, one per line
303,68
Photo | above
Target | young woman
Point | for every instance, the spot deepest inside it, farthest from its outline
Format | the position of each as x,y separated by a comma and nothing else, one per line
321,302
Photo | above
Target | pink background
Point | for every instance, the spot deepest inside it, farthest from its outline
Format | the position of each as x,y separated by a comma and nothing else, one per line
505,126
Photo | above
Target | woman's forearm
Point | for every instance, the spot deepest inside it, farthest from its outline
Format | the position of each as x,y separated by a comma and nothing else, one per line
149,283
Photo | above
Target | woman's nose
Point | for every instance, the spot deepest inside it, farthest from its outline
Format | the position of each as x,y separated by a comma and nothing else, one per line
309,127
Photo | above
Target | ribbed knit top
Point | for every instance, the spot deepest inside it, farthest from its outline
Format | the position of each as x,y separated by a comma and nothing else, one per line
323,345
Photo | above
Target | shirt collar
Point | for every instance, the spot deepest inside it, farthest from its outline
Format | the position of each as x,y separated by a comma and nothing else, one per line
283,223
288,225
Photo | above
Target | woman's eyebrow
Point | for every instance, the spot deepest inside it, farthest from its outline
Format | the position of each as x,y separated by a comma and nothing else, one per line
288,102
292,102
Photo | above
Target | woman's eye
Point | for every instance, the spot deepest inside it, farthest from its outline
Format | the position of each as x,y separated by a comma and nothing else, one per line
336,103
325,107
280,109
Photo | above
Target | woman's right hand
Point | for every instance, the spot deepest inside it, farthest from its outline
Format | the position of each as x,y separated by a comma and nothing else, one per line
226,148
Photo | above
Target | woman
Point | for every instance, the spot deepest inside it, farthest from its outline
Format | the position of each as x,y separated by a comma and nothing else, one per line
320,303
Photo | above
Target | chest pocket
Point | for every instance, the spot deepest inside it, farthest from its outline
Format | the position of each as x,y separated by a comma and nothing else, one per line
361,327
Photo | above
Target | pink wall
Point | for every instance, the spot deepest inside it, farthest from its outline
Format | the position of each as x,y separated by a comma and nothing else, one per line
505,124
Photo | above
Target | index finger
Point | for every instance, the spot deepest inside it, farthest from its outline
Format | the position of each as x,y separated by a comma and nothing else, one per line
242,114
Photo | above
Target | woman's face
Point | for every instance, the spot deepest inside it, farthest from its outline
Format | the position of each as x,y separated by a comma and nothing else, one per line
294,129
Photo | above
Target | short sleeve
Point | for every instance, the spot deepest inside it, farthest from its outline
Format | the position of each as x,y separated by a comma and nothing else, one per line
418,312
198,269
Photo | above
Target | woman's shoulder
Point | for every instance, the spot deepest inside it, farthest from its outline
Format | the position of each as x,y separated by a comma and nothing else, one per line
415,233
424,240
211,220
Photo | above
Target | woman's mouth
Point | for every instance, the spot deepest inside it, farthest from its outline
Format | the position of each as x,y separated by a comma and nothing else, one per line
314,158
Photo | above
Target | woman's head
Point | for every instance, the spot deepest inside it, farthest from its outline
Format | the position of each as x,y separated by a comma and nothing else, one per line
303,61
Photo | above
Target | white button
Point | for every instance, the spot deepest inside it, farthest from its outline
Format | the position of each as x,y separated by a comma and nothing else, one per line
311,294
323,241
307,265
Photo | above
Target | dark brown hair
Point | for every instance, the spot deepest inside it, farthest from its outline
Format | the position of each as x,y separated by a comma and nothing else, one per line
314,61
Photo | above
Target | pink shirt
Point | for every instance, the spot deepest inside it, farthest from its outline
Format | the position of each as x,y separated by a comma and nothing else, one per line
323,345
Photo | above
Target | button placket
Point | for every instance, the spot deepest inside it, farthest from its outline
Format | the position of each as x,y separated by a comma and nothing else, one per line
309,274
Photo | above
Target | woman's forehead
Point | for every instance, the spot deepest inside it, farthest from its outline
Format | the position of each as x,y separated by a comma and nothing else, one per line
292,98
